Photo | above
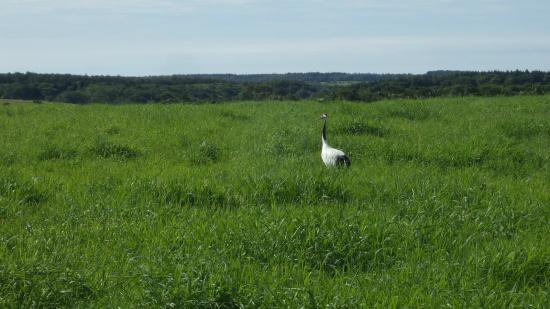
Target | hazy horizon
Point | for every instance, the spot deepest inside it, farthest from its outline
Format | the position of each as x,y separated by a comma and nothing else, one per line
167,37
268,73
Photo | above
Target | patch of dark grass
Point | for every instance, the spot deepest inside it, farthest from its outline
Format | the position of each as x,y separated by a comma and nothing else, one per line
113,130
105,149
226,297
181,194
7,159
513,159
277,149
519,269
103,187
323,243
413,113
277,144
255,191
234,115
304,144
206,152
353,249
347,109
53,152
525,129
288,143
305,190
395,153
510,159
41,287
184,140
361,128
21,192
195,289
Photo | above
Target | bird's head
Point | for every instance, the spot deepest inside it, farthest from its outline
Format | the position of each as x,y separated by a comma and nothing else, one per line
324,116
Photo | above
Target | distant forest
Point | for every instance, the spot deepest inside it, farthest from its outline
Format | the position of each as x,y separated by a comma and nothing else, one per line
82,89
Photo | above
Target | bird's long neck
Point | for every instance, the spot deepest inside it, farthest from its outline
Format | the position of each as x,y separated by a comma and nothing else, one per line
324,137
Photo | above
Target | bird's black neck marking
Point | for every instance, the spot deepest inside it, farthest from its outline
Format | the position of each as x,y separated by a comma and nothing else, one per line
325,130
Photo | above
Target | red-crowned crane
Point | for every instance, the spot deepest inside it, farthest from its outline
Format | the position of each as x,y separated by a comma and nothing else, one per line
332,156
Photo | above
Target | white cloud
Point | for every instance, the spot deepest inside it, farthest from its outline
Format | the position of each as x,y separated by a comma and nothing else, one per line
352,54
359,44
331,45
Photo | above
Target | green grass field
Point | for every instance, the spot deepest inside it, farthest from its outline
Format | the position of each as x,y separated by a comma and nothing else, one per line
446,204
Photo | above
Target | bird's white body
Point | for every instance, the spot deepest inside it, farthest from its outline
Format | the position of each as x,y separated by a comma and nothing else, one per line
331,156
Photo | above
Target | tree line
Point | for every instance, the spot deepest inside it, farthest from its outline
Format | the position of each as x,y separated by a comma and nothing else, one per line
82,89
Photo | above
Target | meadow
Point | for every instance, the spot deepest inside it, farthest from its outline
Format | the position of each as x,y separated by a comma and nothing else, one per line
446,204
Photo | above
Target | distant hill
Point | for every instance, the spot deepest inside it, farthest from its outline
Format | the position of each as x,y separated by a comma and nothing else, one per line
365,87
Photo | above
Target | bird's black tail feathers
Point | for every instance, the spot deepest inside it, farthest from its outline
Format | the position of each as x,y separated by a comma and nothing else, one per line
343,161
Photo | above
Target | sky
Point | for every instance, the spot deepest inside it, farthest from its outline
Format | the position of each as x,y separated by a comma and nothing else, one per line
159,37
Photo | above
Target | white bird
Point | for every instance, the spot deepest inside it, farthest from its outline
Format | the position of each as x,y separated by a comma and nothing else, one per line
332,156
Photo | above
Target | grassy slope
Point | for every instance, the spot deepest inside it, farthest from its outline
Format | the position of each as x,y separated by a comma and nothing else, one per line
446,203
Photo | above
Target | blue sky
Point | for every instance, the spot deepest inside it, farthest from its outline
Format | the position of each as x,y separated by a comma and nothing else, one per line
146,37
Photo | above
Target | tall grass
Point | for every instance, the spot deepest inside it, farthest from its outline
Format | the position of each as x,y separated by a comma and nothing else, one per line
208,206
